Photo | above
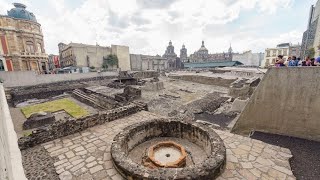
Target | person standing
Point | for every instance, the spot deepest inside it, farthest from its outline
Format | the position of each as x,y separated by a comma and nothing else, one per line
292,62
279,62
308,61
317,61
286,62
299,62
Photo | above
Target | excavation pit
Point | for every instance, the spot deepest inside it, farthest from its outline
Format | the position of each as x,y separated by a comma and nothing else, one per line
168,149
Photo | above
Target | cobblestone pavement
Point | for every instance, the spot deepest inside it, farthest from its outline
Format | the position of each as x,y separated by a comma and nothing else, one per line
37,164
86,155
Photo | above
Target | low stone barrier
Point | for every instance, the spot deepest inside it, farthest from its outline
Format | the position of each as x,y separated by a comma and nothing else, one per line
66,127
42,91
217,81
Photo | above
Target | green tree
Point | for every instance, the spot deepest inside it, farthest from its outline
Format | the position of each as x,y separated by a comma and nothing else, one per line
311,52
104,64
111,60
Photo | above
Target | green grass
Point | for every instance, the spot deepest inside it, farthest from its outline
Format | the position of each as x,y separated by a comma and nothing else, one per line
57,105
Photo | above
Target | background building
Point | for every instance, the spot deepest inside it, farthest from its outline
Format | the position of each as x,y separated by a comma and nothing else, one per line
202,55
21,41
84,55
311,37
53,62
248,58
183,54
174,61
3,66
144,62
271,54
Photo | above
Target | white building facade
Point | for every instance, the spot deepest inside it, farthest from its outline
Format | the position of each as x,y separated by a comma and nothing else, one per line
248,58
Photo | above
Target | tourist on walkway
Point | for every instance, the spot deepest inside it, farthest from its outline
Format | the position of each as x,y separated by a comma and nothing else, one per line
312,62
308,61
292,62
279,62
317,61
299,62
286,62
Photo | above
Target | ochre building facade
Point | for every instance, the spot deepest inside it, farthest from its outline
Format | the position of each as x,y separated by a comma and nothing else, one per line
21,41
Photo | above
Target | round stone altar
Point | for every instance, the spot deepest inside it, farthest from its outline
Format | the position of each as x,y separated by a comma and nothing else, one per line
168,149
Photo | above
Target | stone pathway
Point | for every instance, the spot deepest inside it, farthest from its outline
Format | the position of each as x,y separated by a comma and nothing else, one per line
86,155
37,164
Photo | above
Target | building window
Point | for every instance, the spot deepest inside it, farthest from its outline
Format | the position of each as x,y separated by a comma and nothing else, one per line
285,52
268,53
1,65
279,52
274,53
30,47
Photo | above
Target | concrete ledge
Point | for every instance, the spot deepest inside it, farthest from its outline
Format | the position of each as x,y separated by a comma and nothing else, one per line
286,102
10,155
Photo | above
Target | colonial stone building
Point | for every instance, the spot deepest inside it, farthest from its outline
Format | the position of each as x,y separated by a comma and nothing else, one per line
183,54
84,55
144,62
53,62
202,55
173,61
311,37
21,41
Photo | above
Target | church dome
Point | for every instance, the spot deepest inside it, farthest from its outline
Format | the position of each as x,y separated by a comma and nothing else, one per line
203,48
20,12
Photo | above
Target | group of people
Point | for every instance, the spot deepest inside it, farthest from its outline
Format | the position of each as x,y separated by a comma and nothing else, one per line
294,61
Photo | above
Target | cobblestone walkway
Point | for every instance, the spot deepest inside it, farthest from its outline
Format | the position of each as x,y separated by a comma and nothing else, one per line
86,155
37,164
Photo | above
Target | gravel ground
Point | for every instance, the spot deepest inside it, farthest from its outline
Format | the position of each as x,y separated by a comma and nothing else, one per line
305,162
38,165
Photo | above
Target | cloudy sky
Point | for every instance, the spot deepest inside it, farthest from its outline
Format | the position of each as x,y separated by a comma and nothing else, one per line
146,26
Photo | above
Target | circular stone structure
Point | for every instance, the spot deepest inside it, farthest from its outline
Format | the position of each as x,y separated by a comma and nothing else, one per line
175,148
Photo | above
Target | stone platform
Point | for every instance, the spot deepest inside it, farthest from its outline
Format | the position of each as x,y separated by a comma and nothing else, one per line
86,155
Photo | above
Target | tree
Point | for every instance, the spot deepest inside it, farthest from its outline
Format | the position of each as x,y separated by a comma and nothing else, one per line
311,52
111,60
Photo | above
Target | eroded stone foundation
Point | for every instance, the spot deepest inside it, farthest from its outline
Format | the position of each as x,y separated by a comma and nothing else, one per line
168,137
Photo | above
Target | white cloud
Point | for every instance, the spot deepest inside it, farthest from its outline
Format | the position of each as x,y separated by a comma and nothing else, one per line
147,26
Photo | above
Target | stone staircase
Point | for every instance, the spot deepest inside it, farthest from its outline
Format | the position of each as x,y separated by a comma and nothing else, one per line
87,99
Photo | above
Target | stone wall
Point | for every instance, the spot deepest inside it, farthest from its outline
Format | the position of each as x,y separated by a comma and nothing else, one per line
19,94
30,78
71,126
217,81
10,156
153,86
286,102
144,74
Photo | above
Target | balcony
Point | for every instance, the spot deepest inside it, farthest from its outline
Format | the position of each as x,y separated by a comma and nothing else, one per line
37,54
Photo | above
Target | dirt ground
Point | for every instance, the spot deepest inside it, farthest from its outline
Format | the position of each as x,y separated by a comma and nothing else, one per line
177,94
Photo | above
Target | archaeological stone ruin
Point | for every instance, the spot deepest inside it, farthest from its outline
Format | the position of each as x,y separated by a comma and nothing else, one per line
146,125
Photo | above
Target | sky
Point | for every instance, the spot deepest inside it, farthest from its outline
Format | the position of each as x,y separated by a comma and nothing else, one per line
146,26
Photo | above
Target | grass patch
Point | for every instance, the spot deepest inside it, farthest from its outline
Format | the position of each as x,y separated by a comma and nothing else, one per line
57,105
